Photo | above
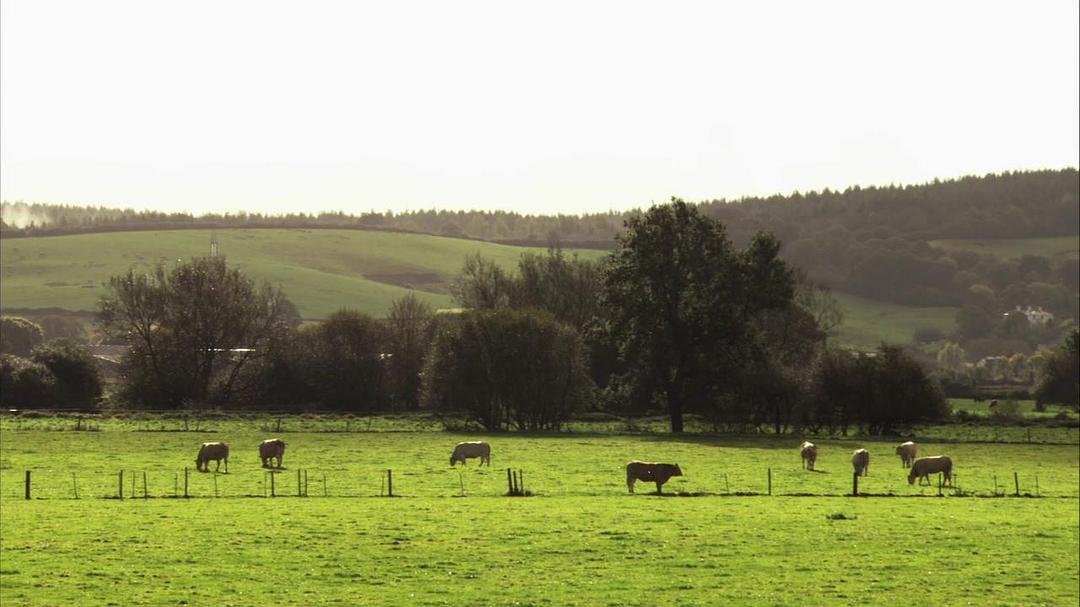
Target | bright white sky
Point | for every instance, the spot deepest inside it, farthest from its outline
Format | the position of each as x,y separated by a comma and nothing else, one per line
545,108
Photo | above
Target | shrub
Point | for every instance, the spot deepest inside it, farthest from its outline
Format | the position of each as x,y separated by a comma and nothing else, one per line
78,382
24,383
19,336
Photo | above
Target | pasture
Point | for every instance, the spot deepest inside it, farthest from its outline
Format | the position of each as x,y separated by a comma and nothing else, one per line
868,323
581,540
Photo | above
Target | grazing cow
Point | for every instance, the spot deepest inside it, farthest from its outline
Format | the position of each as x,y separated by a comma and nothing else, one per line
658,473
925,466
271,449
906,451
212,451
464,451
860,460
808,451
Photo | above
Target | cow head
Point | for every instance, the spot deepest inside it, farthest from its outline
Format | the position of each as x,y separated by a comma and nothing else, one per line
676,470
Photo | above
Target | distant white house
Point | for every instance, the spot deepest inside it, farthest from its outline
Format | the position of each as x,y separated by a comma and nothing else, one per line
1034,316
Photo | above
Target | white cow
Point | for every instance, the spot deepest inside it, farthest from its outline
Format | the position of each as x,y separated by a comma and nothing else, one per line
925,466
860,460
464,451
212,451
271,449
906,451
808,451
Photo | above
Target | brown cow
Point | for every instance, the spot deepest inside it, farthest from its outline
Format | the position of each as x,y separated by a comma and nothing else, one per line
906,451
925,466
649,472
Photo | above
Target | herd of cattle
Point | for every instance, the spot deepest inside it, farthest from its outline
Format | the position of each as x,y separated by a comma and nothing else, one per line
921,468
274,449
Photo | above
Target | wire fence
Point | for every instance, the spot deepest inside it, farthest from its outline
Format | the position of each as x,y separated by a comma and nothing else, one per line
167,483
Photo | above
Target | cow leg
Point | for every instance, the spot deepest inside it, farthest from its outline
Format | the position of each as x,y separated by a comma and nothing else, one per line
630,484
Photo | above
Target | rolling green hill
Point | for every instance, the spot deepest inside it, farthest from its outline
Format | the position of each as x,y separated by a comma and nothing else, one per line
1062,247
324,270
320,270
868,323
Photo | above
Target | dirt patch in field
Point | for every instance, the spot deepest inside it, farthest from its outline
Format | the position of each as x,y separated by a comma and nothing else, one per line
421,281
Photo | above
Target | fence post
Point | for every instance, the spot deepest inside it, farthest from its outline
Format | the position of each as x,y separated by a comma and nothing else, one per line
120,490
509,481
461,481
273,491
27,484
1016,480
727,487
521,481
185,481
1037,494
75,485
389,483
144,493
134,493
939,484
855,483
770,481
305,483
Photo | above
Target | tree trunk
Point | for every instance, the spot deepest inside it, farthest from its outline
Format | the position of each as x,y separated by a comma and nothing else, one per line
675,407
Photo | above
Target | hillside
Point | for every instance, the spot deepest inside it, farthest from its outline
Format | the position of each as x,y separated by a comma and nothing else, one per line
320,270
324,270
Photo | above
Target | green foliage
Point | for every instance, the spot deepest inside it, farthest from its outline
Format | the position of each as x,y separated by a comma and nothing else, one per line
55,326
342,361
24,383
78,383
192,330
1059,375
881,393
409,334
19,336
507,369
681,299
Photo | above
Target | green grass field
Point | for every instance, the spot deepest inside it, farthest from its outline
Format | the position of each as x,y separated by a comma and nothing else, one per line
868,323
1014,248
581,540
320,270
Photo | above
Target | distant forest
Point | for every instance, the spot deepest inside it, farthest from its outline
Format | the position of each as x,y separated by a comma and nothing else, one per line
873,242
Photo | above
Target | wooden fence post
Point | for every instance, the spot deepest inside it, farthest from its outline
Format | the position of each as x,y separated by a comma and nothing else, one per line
273,491
521,481
134,493
770,481
939,484
855,483
120,486
509,481
299,487
144,492
461,481
75,485
1016,480
305,483
27,484
186,482
389,483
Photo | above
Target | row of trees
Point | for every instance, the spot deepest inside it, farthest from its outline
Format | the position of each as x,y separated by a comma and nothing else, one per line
677,320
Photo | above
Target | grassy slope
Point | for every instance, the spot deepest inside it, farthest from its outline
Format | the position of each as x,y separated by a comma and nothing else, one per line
582,541
867,323
1012,248
324,270
320,270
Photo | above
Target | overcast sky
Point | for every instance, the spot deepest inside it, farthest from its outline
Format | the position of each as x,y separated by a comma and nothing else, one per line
539,108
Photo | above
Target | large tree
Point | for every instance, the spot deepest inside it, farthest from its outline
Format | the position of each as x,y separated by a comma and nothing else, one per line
192,328
408,340
681,300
